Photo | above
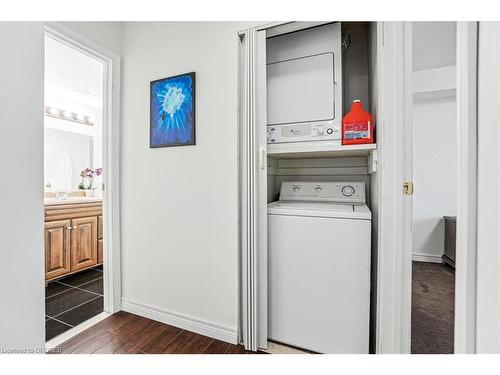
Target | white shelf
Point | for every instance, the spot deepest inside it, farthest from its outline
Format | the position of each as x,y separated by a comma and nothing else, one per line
318,150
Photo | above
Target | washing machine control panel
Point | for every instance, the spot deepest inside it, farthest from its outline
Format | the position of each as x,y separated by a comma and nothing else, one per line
342,192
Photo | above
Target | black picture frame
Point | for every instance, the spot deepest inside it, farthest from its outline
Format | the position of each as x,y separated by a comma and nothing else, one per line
153,106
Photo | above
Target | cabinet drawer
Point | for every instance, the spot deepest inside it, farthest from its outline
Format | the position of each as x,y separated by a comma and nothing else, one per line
72,211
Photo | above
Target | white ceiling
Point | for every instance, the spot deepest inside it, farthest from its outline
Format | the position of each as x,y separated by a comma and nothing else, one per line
72,75
434,45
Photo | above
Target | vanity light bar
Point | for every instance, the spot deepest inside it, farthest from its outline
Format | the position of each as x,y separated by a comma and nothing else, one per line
67,115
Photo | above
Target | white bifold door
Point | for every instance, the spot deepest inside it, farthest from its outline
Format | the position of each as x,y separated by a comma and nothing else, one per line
253,188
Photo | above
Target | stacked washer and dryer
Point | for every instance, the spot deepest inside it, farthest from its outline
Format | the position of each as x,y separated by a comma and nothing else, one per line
319,232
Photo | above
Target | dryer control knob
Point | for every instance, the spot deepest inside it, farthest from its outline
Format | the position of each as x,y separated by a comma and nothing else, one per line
347,190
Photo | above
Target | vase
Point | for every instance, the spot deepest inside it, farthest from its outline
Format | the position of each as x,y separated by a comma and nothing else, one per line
90,193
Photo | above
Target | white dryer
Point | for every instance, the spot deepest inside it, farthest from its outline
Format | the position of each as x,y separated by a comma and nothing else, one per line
319,244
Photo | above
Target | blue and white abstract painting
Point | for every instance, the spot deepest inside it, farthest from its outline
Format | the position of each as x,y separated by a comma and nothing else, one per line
173,111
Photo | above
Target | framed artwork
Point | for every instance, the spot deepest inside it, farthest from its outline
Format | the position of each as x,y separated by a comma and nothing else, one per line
172,111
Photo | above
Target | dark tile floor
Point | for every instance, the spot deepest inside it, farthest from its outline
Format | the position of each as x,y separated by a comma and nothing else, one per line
72,300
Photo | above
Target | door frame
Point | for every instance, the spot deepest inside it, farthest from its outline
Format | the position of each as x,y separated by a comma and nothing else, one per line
393,310
466,251
488,189
392,288
466,242
111,155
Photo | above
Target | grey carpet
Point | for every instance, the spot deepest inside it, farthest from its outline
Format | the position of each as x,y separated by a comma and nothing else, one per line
433,305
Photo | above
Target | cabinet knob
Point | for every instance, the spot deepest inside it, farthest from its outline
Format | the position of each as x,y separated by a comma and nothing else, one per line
68,228
75,226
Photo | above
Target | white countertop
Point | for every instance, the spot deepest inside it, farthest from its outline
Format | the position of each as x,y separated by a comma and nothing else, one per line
71,200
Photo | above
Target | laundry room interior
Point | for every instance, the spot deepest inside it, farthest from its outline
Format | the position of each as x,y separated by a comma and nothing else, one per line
313,78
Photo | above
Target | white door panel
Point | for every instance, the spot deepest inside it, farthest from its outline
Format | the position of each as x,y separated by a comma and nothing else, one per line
319,283
301,90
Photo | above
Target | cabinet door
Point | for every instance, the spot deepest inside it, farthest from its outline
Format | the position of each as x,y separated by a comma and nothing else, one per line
83,243
57,245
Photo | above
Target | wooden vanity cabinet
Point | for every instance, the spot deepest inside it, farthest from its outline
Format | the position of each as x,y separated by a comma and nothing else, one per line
72,241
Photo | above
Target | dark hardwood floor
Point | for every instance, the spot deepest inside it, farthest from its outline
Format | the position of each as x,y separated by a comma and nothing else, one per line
131,334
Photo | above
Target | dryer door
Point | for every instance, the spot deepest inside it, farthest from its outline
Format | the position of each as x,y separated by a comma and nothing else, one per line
301,90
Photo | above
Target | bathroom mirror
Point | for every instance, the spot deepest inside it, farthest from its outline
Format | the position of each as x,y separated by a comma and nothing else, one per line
66,155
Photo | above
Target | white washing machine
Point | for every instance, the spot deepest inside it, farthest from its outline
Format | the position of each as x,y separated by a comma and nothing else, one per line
319,244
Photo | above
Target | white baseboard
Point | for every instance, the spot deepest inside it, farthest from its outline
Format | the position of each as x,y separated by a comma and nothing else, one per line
215,331
419,257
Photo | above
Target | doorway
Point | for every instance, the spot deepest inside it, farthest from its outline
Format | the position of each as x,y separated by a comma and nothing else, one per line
73,98
270,164
82,257
444,202
435,169
393,215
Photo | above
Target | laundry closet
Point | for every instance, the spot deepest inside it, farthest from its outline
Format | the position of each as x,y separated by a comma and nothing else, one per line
309,199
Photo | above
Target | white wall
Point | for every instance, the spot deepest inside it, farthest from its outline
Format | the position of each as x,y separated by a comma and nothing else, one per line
107,34
434,174
22,308
22,315
180,204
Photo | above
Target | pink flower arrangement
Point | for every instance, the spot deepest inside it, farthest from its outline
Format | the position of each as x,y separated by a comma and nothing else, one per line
89,174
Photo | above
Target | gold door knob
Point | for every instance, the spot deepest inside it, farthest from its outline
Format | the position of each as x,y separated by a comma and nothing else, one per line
408,188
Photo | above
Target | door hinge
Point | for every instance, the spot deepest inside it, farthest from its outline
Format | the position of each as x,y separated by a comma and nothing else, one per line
103,186
408,188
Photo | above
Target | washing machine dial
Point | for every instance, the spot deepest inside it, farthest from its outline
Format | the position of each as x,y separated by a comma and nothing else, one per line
348,190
